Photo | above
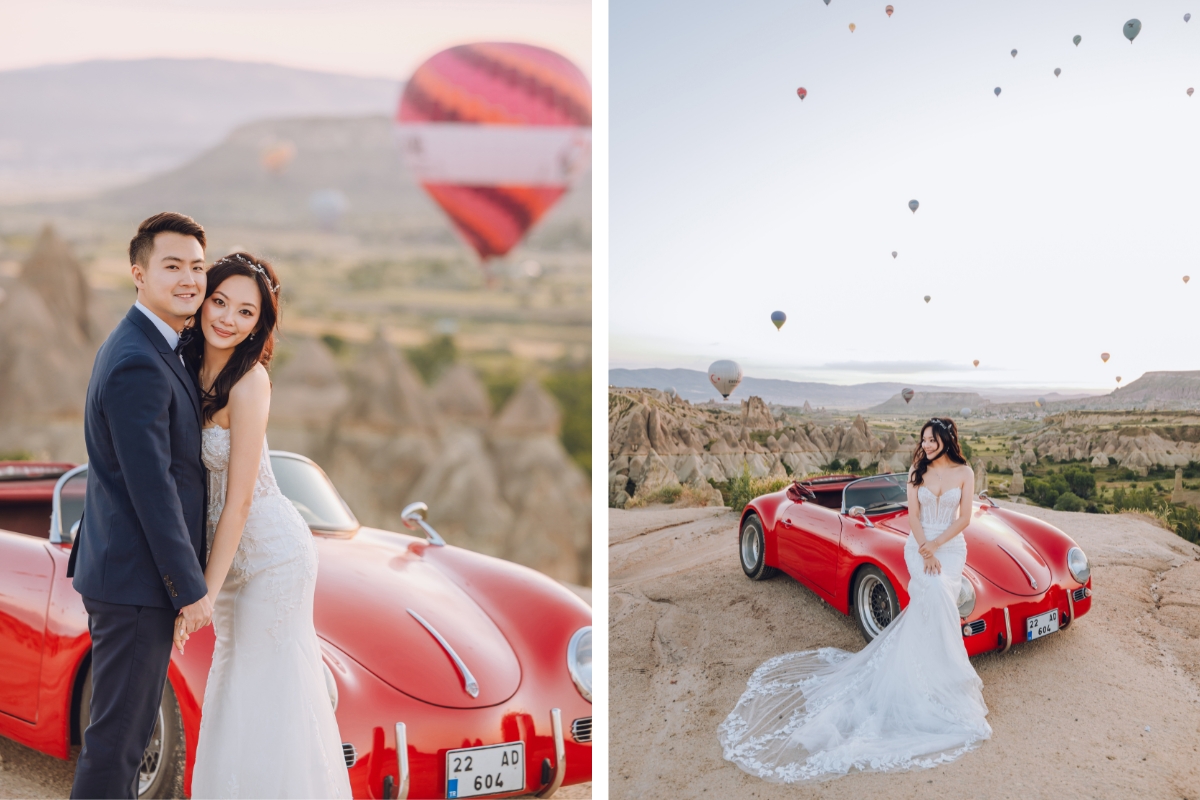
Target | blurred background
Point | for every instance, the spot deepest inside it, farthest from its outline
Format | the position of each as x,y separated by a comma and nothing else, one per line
436,332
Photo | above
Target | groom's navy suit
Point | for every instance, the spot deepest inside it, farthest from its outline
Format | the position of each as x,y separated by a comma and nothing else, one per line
139,553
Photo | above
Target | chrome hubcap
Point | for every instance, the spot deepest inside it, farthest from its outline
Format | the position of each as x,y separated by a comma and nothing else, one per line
750,547
874,605
152,758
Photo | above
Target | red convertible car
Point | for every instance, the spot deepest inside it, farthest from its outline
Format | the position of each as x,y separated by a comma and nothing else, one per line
843,537
452,674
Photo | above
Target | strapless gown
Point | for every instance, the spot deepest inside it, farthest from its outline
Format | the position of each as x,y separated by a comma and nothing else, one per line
268,728
909,699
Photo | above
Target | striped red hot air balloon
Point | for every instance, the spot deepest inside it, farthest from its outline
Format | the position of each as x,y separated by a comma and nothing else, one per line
496,133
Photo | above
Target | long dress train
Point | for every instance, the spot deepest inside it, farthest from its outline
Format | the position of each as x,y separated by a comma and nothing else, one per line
909,699
268,728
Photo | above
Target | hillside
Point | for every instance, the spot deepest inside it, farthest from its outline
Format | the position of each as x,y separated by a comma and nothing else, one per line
693,385
936,402
145,116
357,156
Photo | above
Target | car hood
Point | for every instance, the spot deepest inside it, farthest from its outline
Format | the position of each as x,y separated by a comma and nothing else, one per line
366,586
998,552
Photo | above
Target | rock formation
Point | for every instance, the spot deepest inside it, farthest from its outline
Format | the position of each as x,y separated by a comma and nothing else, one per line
654,442
1016,486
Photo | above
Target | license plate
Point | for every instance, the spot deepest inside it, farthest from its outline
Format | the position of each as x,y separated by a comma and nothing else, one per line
1042,624
474,771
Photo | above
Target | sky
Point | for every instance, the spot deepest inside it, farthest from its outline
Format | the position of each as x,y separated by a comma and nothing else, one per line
1056,221
370,38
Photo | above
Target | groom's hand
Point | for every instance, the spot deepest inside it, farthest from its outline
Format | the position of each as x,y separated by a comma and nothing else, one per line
197,615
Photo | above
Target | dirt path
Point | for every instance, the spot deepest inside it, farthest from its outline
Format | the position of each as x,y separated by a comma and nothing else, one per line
1069,712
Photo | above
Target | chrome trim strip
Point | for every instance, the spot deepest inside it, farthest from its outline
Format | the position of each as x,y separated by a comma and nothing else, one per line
1007,631
56,536
560,755
1028,575
402,760
1070,605
471,685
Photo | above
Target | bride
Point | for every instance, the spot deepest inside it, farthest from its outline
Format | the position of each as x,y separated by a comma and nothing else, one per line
910,698
268,728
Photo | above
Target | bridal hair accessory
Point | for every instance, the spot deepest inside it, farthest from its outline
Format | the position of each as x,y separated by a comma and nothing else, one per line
274,287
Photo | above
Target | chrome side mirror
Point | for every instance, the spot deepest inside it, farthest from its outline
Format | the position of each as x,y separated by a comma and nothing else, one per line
413,517
858,512
984,496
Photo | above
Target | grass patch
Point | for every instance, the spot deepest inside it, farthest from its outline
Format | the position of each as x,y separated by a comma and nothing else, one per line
743,488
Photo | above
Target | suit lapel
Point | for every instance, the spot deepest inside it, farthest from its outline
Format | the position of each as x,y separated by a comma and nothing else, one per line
170,356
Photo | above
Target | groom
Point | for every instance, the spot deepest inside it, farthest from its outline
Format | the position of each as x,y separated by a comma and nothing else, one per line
138,556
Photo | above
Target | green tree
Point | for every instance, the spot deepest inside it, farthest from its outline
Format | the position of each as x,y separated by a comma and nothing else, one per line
1069,501
572,387
431,358
1080,479
852,465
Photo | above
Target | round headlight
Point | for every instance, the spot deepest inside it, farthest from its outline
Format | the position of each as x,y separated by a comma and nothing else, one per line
1077,562
966,598
579,661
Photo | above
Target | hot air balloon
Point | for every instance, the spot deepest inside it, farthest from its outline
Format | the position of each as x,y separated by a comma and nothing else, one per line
1014,52
1118,379
852,27
894,254
889,11
1190,90
328,206
496,133
1186,17
672,391
926,298
1104,357
1057,72
1077,39
276,158
1132,29
976,362
907,394
826,2
802,93
997,91
725,375
1186,279
1041,401
778,317
966,412
913,205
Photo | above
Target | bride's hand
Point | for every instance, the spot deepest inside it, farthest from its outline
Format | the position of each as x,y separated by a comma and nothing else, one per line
932,566
927,549
180,638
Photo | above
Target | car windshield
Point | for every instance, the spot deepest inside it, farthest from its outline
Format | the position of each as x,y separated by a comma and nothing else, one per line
312,494
877,493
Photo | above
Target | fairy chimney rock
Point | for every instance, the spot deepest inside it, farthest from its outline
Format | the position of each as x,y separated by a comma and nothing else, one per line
308,386
460,396
532,410
388,395
54,272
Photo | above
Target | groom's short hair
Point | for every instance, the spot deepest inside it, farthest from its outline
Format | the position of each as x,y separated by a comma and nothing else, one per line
142,244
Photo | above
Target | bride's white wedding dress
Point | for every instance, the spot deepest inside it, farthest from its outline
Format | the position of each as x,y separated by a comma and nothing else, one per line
268,728
909,699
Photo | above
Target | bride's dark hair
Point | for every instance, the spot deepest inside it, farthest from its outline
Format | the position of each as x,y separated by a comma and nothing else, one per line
946,432
257,348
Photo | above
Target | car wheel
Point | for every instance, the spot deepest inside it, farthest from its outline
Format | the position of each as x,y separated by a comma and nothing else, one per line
161,774
752,547
875,602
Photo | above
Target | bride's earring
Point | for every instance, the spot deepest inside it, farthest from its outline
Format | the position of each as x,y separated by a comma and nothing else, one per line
252,337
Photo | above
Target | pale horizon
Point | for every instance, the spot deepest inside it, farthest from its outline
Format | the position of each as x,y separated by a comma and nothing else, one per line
362,38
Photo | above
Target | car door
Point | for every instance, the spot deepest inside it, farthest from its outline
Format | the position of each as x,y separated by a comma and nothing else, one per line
809,541
26,575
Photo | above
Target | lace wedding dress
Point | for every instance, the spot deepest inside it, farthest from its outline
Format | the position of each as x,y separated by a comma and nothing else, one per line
909,699
268,728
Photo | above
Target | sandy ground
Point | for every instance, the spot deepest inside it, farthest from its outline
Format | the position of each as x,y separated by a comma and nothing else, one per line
26,773
1109,708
